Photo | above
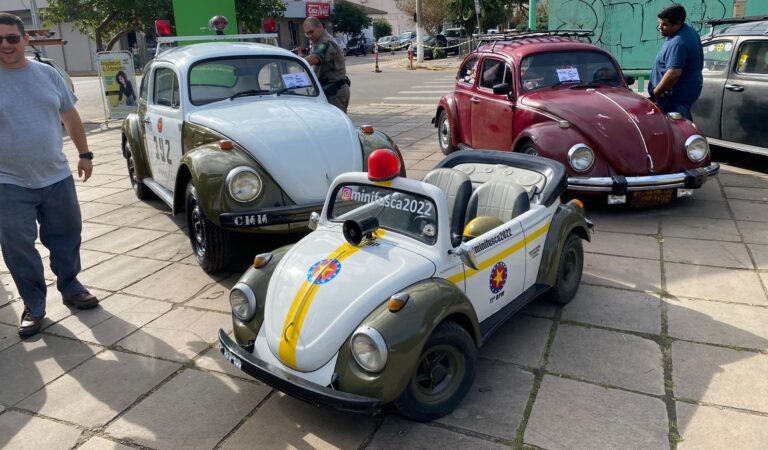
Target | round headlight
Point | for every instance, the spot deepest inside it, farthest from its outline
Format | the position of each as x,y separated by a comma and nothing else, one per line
244,184
243,302
369,349
581,157
696,147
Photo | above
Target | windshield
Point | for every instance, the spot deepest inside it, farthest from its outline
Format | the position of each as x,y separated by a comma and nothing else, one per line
219,79
402,212
572,67
406,35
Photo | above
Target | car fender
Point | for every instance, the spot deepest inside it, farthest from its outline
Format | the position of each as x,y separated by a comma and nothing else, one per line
569,218
554,141
405,332
448,104
132,134
374,141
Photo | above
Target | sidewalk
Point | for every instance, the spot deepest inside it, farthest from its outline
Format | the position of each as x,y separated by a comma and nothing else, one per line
665,346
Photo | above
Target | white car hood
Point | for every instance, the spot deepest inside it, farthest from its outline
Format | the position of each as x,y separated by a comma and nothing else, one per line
303,143
309,314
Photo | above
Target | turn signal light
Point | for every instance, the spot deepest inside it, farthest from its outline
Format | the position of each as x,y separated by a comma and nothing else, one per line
226,144
397,302
577,202
367,129
261,260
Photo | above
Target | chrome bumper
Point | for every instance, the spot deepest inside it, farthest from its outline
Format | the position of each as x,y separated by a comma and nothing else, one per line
620,185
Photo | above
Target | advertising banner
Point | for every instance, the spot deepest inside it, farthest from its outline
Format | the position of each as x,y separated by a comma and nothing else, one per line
319,10
118,83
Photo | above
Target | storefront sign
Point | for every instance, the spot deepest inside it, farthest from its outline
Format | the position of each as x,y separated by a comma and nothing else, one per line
319,10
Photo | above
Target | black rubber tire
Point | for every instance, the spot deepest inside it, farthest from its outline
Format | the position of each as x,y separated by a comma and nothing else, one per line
449,354
139,188
529,148
211,245
570,267
444,134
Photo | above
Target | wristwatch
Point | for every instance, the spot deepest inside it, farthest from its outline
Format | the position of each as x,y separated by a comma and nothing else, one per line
86,155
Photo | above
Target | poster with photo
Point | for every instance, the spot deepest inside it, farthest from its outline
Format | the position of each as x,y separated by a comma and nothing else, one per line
118,83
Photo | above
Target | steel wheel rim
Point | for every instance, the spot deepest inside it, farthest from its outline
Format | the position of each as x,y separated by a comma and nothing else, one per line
439,374
445,134
531,151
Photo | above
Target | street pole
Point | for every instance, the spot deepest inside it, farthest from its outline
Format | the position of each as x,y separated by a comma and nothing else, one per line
419,33
532,15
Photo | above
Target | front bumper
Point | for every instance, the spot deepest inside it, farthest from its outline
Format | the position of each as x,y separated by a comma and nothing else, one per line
291,384
620,185
269,216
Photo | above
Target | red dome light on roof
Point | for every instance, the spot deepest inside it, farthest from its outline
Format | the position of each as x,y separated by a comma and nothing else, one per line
383,165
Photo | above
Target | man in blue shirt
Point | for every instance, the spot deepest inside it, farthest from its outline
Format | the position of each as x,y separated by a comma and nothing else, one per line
676,79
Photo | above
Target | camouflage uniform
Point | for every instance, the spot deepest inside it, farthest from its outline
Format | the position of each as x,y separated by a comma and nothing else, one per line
331,71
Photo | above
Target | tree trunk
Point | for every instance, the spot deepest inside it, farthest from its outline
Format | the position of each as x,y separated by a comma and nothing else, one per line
100,30
115,39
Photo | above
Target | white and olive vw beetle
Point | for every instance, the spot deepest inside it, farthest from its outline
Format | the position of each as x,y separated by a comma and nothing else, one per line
388,299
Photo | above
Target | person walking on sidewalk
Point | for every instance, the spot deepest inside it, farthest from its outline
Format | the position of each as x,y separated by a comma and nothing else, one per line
36,184
328,60
676,80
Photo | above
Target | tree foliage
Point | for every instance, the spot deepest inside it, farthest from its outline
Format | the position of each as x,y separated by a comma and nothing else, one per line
113,18
348,18
494,13
381,28
433,12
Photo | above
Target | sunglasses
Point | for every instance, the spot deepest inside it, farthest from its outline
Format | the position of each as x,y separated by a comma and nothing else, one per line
11,38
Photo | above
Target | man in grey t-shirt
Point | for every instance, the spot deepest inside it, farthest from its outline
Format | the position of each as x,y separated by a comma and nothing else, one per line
36,185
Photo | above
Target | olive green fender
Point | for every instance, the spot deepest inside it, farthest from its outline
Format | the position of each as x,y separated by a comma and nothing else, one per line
569,218
431,302
374,141
134,137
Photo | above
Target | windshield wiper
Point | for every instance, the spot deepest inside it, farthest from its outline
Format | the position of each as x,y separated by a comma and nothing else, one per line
249,92
585,85
286,89
560,83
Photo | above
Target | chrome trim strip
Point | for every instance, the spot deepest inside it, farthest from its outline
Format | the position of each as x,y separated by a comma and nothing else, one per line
637,127
605,184
736,146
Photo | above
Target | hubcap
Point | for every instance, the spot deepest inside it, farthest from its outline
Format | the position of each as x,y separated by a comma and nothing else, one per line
445,134
531,151
439,374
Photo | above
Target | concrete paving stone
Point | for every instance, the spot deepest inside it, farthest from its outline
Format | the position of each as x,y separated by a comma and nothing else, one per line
178,335
190,260
760,255
88,259
742,193
711,191
90,210
615,308
283,422
721,376
572,414
126,216
521,341
213,360
171,247
29,365
692,207
24,432
495,404
9,335
398,433
714,283
626,273
417,174
163,222
216,296
122,240
700,228
192,410
119,272
540,308
95,392
96,193
622,244
710,428
707,253
94,230
753,232
121,183
100,179
718,323
752,180
8,291
424,164
174,283
100,443
117,317
624,221
125,197
117,168
608,357
754,211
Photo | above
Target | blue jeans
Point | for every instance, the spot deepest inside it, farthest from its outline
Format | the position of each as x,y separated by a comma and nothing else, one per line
56,208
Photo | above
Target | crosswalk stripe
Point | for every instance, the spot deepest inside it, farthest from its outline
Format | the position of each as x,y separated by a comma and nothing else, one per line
426,99
422,92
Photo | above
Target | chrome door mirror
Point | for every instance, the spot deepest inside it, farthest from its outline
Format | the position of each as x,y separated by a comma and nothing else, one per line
314,219
468,256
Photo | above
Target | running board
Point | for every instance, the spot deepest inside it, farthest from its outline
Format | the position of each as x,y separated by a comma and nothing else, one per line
740,147
164,194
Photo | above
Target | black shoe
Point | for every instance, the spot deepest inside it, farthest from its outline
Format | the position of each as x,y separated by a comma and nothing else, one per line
29,325
83,300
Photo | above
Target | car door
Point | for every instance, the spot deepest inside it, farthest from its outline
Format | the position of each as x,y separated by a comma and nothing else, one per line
463,94
745,110
707,109
492,115
162,124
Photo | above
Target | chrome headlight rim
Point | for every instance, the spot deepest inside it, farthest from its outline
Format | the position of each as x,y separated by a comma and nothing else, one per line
572,154
688,142
234,173
378,341
250,301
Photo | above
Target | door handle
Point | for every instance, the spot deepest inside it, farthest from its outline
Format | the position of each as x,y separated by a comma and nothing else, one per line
474,100
734,87
146,120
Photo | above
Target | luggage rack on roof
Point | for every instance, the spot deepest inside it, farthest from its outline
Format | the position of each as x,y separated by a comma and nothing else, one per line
512,35
729,21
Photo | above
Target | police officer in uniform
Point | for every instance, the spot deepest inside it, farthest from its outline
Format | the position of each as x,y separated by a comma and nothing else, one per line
328,60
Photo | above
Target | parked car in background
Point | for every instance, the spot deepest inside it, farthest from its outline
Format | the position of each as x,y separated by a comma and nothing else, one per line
733,108
406,38
389,43
557,97
430,44
359,46
456,39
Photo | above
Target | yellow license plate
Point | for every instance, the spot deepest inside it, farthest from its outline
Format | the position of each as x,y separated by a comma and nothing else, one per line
652,197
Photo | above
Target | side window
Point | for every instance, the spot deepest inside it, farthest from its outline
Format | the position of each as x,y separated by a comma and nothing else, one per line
753,58
716,56
467,72
493,73
144,90
166,92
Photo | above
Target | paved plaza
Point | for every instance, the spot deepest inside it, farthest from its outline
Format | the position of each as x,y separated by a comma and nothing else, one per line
665,345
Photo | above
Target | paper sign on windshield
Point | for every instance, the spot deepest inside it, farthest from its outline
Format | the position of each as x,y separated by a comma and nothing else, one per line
296,80
565,74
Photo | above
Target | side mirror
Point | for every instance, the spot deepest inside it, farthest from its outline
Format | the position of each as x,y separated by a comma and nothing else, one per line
314,219
468,256
501,89
630,80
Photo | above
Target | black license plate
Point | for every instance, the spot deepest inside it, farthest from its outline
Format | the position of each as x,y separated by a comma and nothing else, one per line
652,198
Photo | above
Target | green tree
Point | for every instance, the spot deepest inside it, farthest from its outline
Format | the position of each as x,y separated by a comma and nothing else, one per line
114,18
433,12
381,28
349,18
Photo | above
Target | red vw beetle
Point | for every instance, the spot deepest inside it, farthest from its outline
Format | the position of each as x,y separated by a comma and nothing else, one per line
552,95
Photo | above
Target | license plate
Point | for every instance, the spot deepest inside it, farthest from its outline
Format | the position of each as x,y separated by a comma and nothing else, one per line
229,356
652,197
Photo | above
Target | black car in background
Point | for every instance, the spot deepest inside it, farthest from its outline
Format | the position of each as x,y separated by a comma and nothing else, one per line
359,46
732,111
455,37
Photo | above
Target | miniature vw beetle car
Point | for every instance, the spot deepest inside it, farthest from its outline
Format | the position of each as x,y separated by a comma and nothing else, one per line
241,138
389,298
